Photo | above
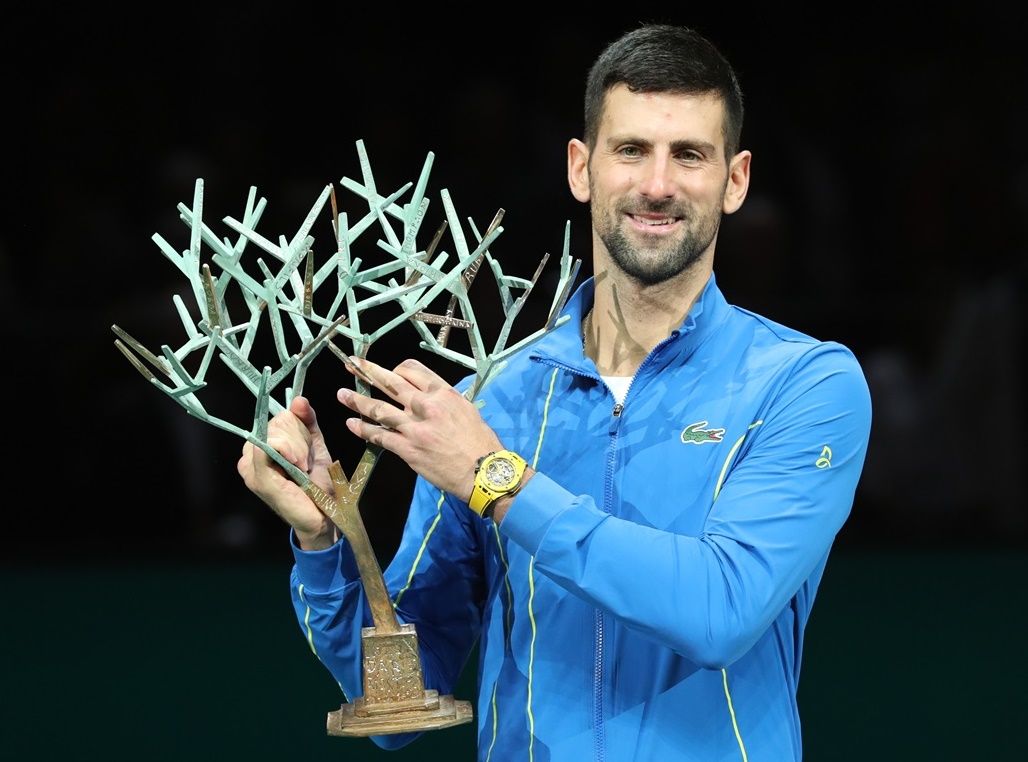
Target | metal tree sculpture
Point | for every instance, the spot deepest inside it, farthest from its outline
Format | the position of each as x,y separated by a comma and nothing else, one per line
282,297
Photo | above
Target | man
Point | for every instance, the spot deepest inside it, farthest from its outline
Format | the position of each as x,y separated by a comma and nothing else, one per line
642,587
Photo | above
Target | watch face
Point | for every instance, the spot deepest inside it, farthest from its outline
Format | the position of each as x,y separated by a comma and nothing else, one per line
501,473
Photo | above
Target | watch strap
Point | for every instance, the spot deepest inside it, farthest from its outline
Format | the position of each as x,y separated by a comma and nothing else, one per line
482,495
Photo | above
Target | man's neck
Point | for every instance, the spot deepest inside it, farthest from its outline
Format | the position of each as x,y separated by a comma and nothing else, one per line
628,320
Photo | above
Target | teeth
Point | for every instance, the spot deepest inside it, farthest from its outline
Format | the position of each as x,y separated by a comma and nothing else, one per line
665,221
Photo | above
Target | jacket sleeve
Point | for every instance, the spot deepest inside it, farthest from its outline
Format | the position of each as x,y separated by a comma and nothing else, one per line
434,580
774,516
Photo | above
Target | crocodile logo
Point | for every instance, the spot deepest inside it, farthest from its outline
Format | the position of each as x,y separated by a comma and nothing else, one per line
695,433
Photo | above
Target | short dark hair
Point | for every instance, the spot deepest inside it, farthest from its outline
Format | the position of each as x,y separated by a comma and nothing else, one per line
661,58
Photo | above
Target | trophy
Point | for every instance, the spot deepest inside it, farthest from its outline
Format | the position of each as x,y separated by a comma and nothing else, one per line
276,292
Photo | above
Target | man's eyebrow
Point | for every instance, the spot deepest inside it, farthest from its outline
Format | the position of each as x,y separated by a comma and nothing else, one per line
626,139
704,147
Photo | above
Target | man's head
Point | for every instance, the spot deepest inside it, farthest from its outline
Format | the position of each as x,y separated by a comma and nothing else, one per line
659,58
660,163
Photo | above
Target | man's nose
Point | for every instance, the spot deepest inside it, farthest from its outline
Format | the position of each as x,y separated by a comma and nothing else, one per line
658,178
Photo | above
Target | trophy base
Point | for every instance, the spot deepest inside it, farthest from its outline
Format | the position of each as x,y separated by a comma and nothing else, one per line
360,719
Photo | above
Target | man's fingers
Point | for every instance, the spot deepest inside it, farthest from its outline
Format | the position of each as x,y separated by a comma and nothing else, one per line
245,463
375,434
254,466
409,376
378,411
295,452
301,408
391,383
421,376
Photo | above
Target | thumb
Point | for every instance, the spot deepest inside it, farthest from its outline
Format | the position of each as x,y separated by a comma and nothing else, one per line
302,409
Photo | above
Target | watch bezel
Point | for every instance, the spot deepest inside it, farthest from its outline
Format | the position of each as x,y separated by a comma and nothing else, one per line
487,473
485,492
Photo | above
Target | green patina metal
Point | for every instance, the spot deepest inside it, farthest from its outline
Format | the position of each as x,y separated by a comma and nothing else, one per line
279,289
282,296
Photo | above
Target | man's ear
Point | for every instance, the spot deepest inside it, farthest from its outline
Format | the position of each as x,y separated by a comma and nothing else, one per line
738,182
578,169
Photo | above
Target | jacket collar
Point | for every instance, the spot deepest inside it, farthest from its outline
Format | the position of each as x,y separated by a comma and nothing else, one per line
565,345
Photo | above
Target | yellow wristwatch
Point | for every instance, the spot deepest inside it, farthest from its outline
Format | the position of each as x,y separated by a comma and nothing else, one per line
497,474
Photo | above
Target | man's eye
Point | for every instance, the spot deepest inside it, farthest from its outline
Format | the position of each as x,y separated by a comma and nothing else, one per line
689,157
630,151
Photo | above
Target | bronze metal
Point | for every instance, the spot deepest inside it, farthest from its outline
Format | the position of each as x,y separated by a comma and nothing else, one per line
395,699
467,278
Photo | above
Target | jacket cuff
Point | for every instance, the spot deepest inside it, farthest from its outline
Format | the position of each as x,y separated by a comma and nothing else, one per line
321,571
534,508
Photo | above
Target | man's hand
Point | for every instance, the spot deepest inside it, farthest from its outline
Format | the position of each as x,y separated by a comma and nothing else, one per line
295,434
438,432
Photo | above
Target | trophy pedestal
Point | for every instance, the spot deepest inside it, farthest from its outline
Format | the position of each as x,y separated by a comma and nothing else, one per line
448,712
395,699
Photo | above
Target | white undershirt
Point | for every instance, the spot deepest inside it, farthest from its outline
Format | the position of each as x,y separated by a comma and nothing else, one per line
618,385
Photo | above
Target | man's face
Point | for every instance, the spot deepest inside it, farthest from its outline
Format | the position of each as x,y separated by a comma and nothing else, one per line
657,179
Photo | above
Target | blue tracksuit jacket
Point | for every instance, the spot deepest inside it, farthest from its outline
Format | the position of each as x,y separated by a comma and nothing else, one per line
646,594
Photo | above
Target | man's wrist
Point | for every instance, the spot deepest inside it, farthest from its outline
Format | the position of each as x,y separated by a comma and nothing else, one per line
314,541
498,474
501,505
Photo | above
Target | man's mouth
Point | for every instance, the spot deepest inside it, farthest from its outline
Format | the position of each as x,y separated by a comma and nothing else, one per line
652,222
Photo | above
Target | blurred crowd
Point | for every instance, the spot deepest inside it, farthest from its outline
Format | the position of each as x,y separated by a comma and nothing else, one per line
884,213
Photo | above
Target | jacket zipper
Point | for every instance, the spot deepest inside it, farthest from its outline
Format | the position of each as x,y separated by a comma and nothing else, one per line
608,505
598,688
598,617
598,733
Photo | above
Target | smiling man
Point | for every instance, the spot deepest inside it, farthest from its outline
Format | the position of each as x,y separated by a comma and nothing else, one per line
634,525
659,169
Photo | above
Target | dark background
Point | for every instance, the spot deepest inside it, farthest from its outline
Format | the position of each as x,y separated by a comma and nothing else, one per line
147,588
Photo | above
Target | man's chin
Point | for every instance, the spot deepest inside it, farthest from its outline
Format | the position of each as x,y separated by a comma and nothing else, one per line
654,247
653,267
